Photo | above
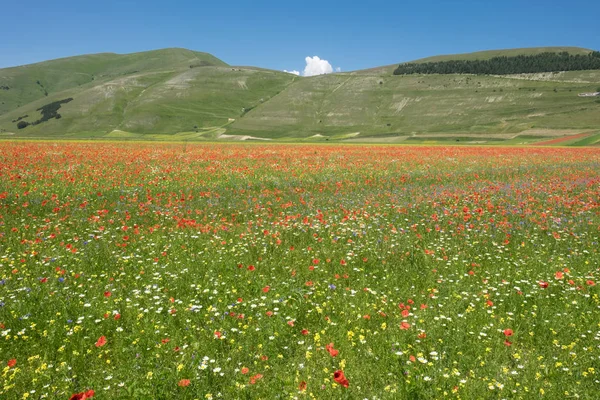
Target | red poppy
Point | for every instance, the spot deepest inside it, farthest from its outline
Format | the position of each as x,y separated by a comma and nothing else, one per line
508,332
339,377
117,317
245,370
266,289
304,332
404,326
507,343
12,362
101,341
218,334
251,268
543,284
184,383
107,294
302,386
558,275
83,395
333,352
255,378
590,282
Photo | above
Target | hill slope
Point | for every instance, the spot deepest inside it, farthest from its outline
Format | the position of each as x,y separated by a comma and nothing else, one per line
145,94
162,91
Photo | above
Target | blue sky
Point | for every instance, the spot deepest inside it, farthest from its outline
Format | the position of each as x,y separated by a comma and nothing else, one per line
279,35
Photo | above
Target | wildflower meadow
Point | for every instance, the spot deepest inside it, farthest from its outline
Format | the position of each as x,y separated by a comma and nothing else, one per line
247,271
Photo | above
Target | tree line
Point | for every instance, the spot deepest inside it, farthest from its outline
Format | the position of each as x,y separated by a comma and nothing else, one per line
503,65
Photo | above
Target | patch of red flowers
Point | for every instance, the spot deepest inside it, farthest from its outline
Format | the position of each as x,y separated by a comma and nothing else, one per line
255,378
101,341
83,395
333,352
339,377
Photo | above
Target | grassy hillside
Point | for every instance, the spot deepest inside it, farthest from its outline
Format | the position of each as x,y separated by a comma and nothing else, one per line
491,107
35,81
156,95
150,92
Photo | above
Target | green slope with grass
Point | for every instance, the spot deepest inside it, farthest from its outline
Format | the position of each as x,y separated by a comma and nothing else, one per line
163,91
156,95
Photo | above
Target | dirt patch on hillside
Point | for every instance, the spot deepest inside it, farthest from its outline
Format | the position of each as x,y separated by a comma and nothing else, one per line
552,132
562,139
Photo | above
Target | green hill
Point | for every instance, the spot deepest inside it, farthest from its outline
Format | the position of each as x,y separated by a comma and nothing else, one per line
162,91
156,95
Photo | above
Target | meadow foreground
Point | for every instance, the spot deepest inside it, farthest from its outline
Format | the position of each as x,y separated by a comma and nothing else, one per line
247,271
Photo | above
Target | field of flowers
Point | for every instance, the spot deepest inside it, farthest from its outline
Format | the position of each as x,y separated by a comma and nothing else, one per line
147,271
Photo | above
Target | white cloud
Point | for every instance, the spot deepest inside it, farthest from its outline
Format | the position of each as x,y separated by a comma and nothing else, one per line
316,66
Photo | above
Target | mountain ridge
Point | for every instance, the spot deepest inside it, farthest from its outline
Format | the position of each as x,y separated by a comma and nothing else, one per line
183,94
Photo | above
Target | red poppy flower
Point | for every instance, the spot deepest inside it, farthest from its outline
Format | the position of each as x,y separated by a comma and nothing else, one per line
507,343
107,294
12,362
590,282
101,341
559,275
302,386
333,352
117,317
304,332
83,395
218,334
339,377
508,332
255,378
251,268
404,326
245,370
184,383
543,284
266,289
